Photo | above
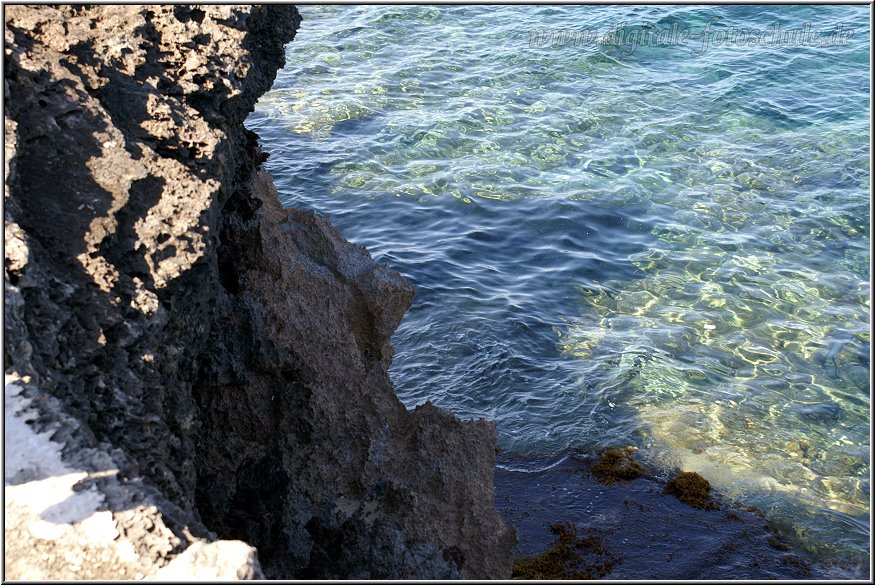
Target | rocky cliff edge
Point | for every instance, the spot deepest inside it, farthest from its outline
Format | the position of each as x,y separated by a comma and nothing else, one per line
210,367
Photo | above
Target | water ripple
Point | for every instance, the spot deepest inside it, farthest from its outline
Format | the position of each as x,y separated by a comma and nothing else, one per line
611,247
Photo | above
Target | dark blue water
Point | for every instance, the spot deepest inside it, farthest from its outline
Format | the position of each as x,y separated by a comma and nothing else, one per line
666,246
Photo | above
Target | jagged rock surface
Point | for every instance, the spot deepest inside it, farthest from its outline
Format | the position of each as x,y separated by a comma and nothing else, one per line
129,139
231,353
72,512
320,466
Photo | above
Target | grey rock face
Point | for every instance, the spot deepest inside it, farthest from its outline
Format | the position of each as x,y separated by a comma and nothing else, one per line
236,353
320,466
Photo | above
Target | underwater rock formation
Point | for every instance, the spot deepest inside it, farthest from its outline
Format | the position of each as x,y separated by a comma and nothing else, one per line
574,525
226,357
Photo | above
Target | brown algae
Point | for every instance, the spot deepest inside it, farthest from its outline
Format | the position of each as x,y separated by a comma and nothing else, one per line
775,542
617,465
692,489
570,557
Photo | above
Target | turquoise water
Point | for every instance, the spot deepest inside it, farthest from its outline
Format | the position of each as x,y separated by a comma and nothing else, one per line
662,246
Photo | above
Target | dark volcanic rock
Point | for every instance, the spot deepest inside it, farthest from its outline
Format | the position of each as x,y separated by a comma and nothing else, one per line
233,353
320,466
128,136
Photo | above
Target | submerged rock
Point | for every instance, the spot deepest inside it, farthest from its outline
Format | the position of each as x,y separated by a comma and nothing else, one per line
634,530
819,412
230,355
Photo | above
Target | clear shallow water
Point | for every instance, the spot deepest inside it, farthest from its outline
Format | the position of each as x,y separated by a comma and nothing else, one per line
611,246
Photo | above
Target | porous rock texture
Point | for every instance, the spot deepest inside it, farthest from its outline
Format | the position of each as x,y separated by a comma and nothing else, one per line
226,357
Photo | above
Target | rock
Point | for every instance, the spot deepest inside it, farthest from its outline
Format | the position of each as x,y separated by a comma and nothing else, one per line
818,412
227,356
321,466
634,530
225,560
128,140
71,509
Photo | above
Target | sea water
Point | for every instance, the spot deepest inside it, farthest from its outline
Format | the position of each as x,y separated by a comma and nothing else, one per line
626,225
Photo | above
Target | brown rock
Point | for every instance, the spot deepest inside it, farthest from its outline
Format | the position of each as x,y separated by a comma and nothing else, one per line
358,486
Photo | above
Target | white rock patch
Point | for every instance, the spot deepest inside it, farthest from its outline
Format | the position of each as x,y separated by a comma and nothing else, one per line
48,498
54,531
223,560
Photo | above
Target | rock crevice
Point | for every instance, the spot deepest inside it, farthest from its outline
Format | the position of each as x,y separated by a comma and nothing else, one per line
232,353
